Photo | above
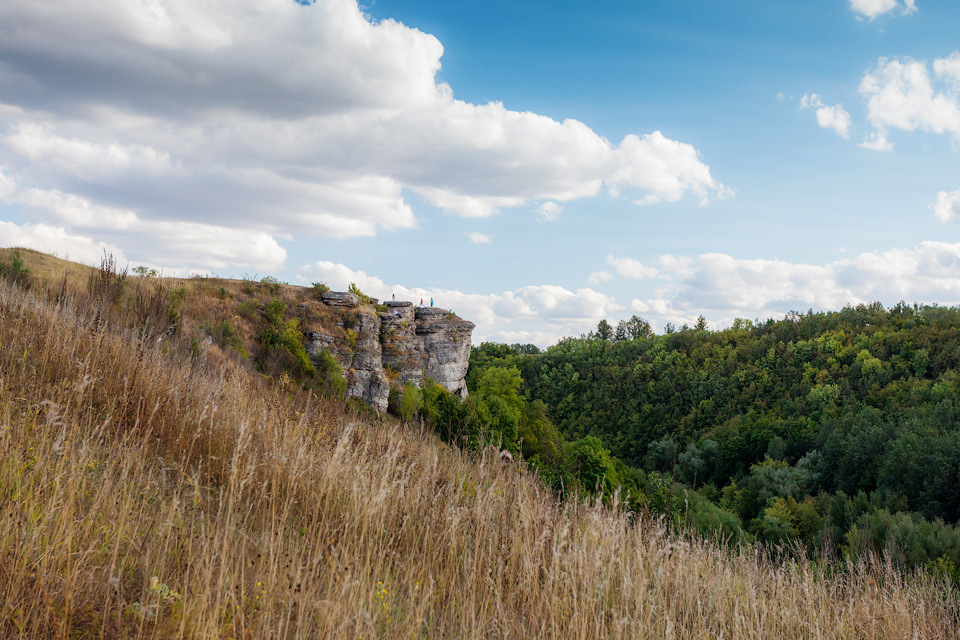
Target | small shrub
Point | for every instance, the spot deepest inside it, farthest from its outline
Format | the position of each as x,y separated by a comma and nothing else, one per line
173,305
331,375
352,338
14,271
145,272
411,402
271,283
226,337
249,309
355,290
249,284
108,282
286,338
319,288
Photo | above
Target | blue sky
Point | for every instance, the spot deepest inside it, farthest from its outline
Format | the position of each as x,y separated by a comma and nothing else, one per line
534,167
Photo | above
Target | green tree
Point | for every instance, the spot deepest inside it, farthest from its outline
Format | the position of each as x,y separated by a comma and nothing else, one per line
604,330
499,406
632,329
591,465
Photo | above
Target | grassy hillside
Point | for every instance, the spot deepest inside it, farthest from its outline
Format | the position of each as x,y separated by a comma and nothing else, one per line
156,489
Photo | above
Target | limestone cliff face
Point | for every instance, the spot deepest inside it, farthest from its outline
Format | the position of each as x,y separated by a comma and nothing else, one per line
445,340
402,343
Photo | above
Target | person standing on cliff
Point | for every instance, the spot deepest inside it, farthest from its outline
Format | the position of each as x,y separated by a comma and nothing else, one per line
394,297
421,302
431,302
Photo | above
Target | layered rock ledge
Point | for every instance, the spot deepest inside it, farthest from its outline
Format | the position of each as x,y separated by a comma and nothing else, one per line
400,343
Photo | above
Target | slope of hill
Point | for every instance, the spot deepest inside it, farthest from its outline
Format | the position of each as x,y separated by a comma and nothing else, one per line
153,488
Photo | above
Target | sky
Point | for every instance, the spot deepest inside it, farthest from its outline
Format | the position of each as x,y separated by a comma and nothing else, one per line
535,167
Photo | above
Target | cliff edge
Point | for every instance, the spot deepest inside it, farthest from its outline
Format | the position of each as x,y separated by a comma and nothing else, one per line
395,342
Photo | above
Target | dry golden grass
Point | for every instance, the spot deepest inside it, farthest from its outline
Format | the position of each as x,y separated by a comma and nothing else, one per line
150,494
47,269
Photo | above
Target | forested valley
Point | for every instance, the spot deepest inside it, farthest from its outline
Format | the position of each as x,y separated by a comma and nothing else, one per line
833,434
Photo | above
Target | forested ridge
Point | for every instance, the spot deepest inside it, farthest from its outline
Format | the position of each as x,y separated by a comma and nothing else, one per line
835,431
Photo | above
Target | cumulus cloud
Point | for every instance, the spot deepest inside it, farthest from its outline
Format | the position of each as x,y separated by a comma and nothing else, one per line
479,238
947,206
596,277
537,313
828,117
630,268
902,94
548,211
877,141
871,9
276,117
664,168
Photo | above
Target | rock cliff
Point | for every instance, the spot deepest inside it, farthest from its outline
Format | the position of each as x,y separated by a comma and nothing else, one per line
393,342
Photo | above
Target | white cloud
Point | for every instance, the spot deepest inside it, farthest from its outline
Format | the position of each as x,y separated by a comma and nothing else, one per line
877,141
630,268
871,9
664,168
947,206
190,246
676,266
56,241
720,286
596,277
901,95
467,206
948,69
273,117
539,313
548,211
479,238
828,117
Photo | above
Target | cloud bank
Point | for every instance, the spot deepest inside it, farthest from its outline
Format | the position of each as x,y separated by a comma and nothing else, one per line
723,287
719,286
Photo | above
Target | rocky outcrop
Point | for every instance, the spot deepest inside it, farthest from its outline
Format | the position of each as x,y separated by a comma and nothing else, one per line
340,299
399,343
445,340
